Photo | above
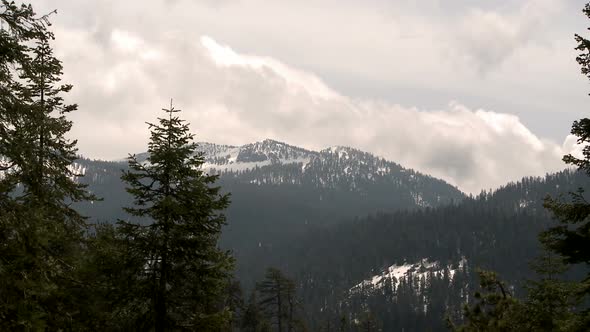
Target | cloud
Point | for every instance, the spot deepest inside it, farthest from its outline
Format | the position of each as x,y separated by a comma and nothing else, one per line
233,98
277,80
472,149
489,36
224,56
571,146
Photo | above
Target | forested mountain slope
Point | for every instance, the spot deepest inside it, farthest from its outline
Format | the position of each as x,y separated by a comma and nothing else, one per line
341,180
279,191
361,233
410,268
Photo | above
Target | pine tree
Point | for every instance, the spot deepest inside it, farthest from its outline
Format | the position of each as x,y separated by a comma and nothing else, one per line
253,319
549,302
272,290
183,273
368,322
494,309
234,302
42,235
22,29
571,237
278,298
550,305
343,323
109,271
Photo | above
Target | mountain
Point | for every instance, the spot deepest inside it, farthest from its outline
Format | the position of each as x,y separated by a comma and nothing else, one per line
339,168
268,152
330,177
411,268
393,276
279,190
270,162
360,233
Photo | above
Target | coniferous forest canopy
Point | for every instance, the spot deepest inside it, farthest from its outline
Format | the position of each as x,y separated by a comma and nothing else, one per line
266,236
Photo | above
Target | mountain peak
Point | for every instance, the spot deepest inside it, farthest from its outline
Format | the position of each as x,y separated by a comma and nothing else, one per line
249,156
272,141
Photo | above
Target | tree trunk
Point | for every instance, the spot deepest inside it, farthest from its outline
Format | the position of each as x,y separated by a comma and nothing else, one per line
161,297
279,306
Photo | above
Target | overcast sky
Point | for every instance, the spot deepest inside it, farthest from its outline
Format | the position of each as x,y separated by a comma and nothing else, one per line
478,92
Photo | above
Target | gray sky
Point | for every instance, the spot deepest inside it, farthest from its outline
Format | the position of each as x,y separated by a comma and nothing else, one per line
476,92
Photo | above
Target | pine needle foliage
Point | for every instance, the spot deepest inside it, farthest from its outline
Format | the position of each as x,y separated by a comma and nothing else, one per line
179,219
41,235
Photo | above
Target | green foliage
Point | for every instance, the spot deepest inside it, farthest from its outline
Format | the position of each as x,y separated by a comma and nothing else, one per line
494,308
253,319
234,302
278,300
583,58
548,306
493,231
42,235
368,323
181,272
551,304
571,237
549,299
108,272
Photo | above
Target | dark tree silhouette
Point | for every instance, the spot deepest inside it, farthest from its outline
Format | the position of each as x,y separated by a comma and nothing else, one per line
184,272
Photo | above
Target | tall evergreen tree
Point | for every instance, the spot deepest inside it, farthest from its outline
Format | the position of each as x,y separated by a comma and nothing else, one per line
253,319
21,23
278,298
549,302
272,291
550,305
343,323
368,323
183,273
234,302
493,309
571,237
41,233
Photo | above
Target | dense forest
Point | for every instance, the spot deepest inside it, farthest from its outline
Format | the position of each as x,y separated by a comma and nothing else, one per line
188,236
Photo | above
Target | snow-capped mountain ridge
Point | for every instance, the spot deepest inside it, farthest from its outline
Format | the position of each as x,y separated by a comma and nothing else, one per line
270,162
249,156
270,152
267,152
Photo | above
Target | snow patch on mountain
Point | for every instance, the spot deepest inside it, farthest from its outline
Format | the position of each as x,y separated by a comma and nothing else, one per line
250,156
341,168
395,274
